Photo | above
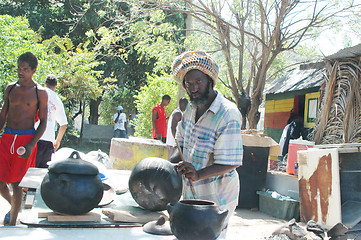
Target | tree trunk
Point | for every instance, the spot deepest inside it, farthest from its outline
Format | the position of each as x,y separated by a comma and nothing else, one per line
82,122
253,115
256,98
94,110
189,21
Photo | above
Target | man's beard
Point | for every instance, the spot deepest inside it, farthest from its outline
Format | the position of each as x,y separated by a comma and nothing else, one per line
200,102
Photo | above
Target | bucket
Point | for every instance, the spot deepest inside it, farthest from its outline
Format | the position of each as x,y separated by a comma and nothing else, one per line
293,147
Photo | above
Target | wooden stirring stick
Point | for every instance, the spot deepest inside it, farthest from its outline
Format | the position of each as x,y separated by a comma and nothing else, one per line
190,182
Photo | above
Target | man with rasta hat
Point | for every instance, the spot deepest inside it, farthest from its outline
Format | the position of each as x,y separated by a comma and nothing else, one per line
209,135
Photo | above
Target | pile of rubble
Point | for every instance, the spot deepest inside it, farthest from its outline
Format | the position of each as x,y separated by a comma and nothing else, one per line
312,231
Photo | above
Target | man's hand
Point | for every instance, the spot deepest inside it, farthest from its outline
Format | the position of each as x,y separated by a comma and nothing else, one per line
29,149
56,145
188,170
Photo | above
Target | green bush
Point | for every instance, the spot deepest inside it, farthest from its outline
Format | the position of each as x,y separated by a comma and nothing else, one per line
149,96
17,38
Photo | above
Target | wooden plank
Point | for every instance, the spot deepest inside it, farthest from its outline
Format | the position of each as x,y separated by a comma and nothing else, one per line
135,216
33,177
89,217
276,120
307,98
268,123
319,186
43,214
269,106
283,105
275,150
258,141
342,147
29,201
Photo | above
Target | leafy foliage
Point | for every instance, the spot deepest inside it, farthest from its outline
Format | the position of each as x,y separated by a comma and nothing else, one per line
150,95
49,18
15,39
87,25
150,47
156,40
75,66
250,35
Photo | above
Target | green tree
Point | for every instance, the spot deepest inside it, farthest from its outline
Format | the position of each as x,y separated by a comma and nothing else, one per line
151,43
249,35
75,66
150,95
16,38
81,21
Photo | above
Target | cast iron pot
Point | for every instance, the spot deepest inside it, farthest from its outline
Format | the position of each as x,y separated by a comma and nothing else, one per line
72,186
155,182
196,220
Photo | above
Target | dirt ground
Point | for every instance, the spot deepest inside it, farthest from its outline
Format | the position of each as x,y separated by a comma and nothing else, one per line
244,224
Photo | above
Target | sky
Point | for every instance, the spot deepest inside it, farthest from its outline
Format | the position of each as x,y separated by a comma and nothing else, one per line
331,41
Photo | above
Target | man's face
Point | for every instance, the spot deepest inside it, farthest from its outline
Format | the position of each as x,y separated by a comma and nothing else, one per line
198,86
166,102
183,106
24,71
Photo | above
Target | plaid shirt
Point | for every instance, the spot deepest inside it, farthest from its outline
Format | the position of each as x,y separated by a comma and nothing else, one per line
214,139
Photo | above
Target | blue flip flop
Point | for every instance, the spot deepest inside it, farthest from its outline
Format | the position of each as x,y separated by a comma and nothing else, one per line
7,218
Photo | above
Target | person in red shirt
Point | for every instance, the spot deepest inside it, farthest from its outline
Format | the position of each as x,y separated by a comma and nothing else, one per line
159,119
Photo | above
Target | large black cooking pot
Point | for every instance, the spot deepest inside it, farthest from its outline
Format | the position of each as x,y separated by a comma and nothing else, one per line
155,182
196,220
72,186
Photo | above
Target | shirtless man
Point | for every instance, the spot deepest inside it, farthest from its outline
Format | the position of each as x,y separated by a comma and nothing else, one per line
22,100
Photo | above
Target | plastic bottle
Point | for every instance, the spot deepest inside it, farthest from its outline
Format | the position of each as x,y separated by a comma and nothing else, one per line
21,151
276,195
296,169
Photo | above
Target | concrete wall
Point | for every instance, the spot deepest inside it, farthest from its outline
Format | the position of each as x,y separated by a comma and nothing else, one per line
93,132
126,152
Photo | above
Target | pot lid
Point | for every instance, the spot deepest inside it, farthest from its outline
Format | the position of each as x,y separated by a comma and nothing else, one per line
74,165
158,227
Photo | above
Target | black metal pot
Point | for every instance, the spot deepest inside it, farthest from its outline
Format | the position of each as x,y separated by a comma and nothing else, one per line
155,182
196,220
72,186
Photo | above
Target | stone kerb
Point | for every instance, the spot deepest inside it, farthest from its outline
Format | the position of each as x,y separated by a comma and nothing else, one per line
126,153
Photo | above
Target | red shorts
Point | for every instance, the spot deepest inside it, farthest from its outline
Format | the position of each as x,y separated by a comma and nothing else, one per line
12,166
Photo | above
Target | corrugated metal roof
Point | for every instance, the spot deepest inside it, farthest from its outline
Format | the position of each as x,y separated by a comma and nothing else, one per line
350,52
296,79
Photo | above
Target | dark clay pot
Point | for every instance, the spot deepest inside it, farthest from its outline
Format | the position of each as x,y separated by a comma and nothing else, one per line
72,186
155,182
196,220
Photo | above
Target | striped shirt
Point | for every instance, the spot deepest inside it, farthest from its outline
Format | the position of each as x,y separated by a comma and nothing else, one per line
214,139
